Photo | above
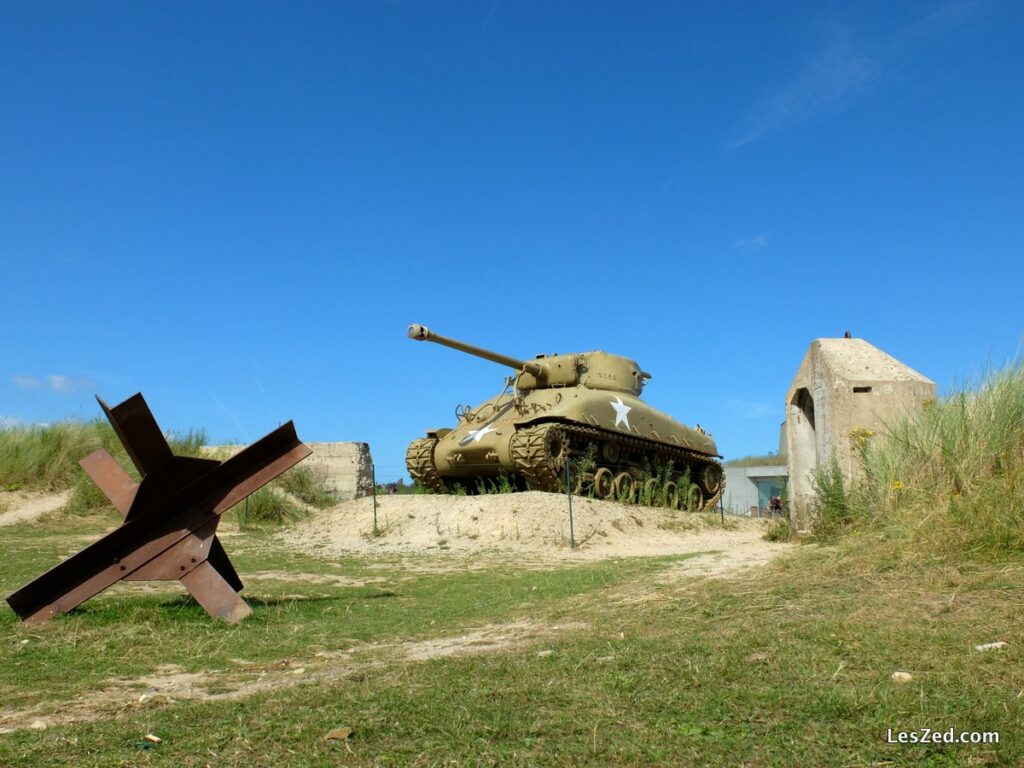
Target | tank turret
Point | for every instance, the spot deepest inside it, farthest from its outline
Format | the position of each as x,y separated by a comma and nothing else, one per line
597,370
559,406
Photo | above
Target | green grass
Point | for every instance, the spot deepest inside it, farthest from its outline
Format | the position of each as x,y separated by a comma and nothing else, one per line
947,480
788,666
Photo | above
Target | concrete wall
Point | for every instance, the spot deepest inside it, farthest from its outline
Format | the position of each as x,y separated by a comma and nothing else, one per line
741,490
843,386
348,467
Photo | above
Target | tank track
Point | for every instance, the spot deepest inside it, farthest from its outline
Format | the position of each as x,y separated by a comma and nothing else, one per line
419,460
541,470
531,453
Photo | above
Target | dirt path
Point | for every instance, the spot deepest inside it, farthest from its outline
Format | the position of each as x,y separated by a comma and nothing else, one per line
21,506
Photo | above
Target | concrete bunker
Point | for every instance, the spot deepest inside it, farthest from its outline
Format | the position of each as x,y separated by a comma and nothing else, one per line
843,386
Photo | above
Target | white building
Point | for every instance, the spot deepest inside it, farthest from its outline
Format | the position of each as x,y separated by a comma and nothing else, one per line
748,489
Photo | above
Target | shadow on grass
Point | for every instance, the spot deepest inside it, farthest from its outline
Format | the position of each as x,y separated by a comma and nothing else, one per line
271,602
187,601
126,610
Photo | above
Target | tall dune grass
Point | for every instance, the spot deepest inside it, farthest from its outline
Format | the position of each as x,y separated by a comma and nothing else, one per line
45,458
757,460
949,478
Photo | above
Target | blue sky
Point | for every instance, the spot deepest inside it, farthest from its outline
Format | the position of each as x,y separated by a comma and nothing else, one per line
237,208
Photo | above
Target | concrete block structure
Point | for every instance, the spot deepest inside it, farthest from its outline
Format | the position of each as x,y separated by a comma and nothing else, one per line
748,489
347,467
842,386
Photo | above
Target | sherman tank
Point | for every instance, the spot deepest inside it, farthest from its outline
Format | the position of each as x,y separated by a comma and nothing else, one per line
583,410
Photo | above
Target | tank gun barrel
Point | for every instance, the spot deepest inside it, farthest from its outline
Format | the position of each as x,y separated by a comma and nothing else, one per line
422,333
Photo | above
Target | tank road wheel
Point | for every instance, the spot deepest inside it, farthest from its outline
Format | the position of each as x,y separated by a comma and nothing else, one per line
695,499
419,460
623,486
711,479
539,454
650,493
610,452
669,495
604,485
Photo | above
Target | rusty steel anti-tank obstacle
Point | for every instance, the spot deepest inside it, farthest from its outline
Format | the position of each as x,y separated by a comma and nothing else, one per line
170,519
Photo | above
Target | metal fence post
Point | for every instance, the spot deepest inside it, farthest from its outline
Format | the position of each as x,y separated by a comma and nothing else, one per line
373,476
568,488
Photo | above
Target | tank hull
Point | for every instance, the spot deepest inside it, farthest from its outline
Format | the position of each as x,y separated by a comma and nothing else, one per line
529,438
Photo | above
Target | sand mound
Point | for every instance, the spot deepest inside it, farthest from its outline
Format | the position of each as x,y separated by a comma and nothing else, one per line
532,524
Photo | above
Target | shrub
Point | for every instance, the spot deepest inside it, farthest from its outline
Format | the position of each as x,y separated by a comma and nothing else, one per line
832,513
265,507
309,485
779,530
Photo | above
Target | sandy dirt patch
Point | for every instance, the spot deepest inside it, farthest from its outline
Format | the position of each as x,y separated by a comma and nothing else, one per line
485,640
531,529
23,506
313,578
169,683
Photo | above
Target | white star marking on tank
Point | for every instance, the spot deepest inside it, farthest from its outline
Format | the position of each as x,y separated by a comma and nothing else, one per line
476,434
621,411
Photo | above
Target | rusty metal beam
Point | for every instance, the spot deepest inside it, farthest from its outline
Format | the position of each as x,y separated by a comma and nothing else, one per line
138,432
170,519
116,484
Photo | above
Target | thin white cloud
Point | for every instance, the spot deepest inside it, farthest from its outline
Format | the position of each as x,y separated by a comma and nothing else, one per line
229,414
55,382
840,71
26,382
490,15
747,244
845,68
945,15
60,383
748,410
